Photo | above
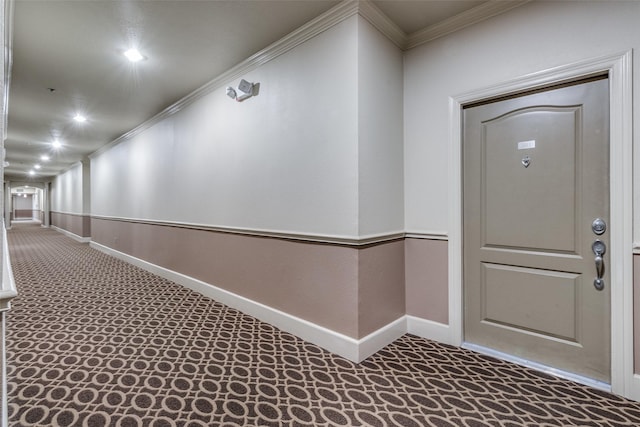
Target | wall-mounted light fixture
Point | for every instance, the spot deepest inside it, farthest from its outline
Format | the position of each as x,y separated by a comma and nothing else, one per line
245,90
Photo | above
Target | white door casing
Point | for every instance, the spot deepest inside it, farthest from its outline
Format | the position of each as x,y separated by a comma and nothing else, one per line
619,70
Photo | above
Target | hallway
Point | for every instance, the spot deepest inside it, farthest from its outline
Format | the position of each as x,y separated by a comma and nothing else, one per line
94,341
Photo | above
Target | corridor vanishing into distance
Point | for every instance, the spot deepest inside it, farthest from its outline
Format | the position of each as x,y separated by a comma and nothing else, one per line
94,341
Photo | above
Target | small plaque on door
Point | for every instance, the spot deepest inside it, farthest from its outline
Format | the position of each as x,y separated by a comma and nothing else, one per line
525,145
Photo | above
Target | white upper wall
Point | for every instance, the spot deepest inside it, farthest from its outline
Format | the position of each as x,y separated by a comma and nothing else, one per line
23,203
531,38
282,161
67,192
86,186
380,141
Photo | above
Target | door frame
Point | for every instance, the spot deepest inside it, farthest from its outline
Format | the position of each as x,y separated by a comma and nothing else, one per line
619,69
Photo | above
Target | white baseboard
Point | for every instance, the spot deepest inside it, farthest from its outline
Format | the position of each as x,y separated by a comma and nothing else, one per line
633,391
350,348
381,338
429,329
72,235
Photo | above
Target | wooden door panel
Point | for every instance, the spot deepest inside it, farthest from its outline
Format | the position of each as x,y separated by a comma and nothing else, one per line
540,301
535,177
522,202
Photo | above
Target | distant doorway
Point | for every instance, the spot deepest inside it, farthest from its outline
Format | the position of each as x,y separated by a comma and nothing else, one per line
26,204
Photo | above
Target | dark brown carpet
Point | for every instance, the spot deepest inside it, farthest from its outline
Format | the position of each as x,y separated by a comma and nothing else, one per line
93,341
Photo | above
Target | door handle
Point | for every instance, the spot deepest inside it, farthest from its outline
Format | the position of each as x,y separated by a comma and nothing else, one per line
599,249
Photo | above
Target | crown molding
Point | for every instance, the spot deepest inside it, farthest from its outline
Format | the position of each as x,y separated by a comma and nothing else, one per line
382,23
472,16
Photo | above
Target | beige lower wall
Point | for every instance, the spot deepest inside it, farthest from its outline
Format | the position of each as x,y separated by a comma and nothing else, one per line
80,225
349,290
427,279
381,286
636,310
24,213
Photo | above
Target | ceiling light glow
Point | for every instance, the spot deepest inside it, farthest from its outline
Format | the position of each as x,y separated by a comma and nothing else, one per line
56,144
37,166
32,172
44,158
80,118
133,55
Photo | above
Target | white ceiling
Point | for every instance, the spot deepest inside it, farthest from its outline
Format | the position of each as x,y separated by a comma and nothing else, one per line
75,48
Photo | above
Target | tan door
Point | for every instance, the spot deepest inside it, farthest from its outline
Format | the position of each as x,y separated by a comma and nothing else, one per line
536,177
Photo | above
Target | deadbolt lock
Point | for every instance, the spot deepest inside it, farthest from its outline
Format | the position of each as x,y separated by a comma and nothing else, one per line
599,226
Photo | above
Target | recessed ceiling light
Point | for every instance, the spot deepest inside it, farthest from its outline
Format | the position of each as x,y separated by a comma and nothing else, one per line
56,144
80,118
44,158
37,166
133,55
32,172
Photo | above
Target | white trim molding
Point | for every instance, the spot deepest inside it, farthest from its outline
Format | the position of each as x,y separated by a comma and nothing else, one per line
427,235
429,329
351,348
472,16
353,241
379,339
349,241
405,41
382,23
8,290
72,235
619,69
71,213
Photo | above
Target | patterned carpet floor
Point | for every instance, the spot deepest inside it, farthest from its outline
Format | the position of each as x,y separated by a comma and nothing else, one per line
93,341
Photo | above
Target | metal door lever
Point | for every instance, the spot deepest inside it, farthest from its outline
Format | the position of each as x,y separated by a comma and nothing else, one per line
599,249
